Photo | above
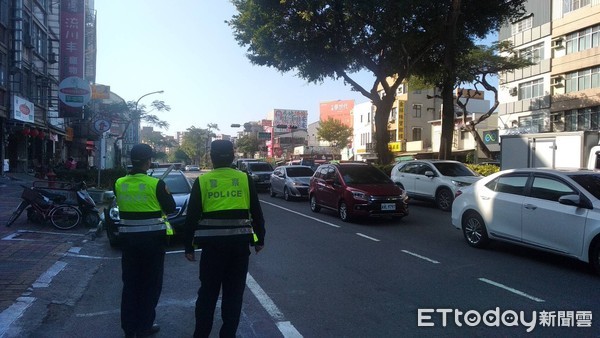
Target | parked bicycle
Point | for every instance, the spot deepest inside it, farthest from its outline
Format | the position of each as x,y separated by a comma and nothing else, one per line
43,206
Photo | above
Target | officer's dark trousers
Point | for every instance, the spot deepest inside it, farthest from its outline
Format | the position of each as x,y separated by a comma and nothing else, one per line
222,265
142,263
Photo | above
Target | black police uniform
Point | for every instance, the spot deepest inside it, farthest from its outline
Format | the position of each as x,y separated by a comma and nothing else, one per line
142,265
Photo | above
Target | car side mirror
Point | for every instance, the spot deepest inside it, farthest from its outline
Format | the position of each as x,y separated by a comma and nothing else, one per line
429,173
573,200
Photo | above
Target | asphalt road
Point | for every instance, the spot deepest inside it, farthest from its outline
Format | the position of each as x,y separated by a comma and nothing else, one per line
321,277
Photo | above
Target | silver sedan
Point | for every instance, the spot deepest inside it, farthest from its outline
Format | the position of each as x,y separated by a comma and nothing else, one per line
291,181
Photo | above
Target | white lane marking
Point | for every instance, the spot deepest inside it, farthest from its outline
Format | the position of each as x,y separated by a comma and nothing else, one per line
368,237
15,236
285,327
301,214
14,312
421,257
46,278
515,291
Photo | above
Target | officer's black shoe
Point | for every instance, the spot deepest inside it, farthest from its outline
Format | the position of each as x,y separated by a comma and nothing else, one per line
147,333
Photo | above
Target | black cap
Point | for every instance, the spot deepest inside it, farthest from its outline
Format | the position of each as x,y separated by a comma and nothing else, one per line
141,152
221,149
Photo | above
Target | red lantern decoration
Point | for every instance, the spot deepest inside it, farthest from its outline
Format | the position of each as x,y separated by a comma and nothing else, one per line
26,131
34,132
41,135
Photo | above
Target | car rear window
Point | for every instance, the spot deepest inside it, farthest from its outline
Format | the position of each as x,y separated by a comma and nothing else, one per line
354,174
453,169
260,166
591,183
299,172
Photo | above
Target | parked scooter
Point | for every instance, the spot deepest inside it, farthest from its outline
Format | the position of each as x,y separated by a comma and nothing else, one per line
87,206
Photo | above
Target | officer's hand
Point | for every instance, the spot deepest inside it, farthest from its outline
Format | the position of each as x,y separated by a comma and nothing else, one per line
190,257
257,248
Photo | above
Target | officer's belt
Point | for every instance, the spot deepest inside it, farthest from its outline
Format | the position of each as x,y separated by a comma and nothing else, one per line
223,232
143,228
224,222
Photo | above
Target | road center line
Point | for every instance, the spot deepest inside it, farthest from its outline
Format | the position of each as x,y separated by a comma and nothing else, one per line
368,237
285,327
301,214
515,291
421,257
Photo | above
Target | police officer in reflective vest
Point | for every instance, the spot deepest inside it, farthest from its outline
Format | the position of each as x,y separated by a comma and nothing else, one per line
142,201
224,217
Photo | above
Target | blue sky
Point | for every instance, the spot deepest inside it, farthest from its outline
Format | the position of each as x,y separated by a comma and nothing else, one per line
185,48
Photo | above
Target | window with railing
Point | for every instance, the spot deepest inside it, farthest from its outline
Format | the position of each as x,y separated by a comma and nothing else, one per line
582,80
533,53
522,25
531,89
583,39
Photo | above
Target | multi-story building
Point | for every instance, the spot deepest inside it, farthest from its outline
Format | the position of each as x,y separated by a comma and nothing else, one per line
34,129
561,92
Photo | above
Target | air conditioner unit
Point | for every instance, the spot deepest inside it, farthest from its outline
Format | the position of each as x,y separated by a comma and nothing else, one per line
513,91
557,42
557,81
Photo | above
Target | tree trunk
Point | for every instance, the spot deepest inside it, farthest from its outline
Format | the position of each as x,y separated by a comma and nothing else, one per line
449,82
382,136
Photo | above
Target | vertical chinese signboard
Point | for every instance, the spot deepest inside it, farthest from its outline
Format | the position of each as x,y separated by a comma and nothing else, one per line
74,91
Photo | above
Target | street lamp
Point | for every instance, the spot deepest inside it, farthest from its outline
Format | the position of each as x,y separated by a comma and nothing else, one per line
122,137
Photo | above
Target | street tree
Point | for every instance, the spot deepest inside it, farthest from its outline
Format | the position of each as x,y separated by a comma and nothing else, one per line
335,132
196,143
475,68
248,144
338,38
179,156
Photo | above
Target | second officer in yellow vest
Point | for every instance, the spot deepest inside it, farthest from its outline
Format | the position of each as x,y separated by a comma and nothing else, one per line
142,201
224,217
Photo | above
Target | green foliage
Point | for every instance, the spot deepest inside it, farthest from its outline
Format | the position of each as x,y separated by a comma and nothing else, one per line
248,144
335,132
386,168
484,169
179,156
389,38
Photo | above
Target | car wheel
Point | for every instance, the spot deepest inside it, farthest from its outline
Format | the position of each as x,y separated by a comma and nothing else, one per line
271,192
474,230
444,199
286,194
595,257
343,212
313,204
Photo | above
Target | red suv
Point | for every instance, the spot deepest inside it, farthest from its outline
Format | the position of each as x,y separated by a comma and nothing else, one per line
356,189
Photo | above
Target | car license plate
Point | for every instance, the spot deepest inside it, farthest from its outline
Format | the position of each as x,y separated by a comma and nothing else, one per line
388,206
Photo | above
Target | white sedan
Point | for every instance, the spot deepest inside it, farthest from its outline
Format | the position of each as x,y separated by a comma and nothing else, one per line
547,209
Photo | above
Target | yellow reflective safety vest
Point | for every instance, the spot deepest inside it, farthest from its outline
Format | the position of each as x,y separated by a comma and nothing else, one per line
137,193
224,189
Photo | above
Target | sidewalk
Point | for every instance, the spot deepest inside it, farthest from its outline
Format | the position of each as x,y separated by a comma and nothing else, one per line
25,252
